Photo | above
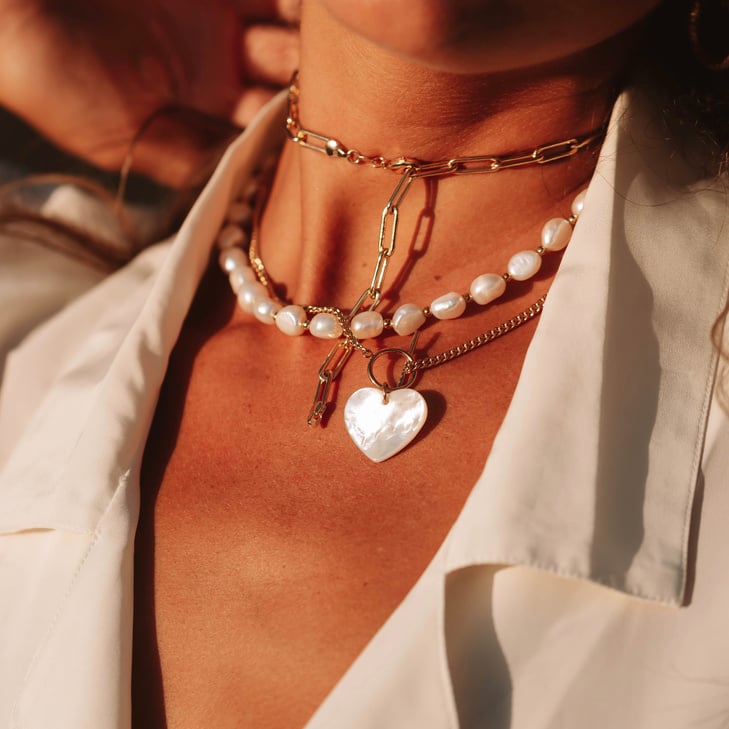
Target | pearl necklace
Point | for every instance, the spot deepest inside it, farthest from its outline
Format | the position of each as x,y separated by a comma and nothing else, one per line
252,286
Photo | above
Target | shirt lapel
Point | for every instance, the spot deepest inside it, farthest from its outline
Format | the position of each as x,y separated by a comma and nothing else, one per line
69,493
592,474
94,421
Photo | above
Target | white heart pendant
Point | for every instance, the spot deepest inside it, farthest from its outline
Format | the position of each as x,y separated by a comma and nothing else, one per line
382,429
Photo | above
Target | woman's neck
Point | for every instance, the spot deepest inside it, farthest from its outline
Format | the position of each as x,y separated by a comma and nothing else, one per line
325,213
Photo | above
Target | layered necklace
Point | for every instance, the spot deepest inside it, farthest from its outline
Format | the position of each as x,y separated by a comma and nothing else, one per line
383,419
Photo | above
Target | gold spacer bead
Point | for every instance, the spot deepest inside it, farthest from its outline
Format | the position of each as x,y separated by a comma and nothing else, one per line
387,324
426,312
467,297
541,250
506,277
572,220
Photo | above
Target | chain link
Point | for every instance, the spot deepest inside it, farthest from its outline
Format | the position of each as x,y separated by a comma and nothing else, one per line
478,164
330,369
434,360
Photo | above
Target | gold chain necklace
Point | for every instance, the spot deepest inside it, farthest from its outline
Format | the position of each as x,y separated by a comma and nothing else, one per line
477,164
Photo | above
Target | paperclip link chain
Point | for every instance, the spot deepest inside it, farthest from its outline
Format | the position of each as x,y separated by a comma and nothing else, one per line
332,366
414,168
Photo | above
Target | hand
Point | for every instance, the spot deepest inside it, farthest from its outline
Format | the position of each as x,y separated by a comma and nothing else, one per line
88,75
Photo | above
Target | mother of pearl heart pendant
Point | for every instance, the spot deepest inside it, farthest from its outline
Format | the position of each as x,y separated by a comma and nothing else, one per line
381,423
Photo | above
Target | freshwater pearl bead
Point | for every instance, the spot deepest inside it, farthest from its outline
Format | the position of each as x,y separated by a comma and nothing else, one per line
291,320
249,294
367,324
239,213
556,234
232,258
250,192
487,287
448,306
239,276
325,326
578,204
407,319
265,310
229,236
524,265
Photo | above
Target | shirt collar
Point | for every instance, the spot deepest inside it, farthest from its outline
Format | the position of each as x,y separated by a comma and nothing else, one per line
92,426
592,474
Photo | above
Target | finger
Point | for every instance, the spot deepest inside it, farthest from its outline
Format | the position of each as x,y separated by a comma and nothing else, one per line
269,54
251,101
286,11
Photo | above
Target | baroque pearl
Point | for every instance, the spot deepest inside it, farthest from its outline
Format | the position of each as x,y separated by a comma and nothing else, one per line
249,294
325,326
250,192
524,265
448,306
556,234
239,276
229,236
232,258
578,204
367,324
291,320
239,213
487,287
265,310
407,319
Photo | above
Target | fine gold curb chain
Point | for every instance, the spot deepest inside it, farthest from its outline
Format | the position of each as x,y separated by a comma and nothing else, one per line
434,360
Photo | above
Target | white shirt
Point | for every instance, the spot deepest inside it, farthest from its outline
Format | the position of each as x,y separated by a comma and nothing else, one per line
584,583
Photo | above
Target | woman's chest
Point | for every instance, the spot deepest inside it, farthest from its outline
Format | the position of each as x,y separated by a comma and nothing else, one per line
270,552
